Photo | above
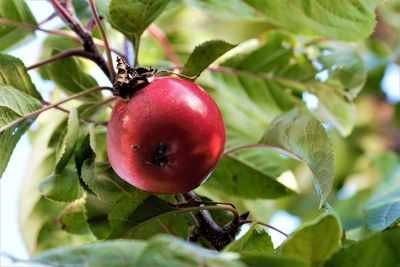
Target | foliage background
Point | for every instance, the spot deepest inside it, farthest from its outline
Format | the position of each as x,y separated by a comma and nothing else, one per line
360,158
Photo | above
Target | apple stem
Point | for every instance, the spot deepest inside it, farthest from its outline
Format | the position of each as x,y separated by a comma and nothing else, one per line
206,227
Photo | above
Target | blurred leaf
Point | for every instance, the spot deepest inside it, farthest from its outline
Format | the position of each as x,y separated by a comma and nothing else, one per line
68,142
335,109
378,250
270,260
346,66
17,11
56,43
383,208
34,209
234,176
255,240
132,17
82,9
109,253
18,96
62,186
303,137
51,236
73,218
203,55
351,211
167,251
160,251
315,242
233,9
68,75
349,21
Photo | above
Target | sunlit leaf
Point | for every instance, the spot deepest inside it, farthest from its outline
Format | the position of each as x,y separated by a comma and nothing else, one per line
348,21
203,55
378,250
73,218
234,176
62,186
18,97
255,240
132,17
304,137
315,242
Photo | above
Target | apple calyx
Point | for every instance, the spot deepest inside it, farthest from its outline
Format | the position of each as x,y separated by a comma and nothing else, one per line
130,80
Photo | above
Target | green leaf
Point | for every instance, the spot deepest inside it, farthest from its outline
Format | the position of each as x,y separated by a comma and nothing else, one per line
108,253
62,186
68,75
315,242
351,20
270,260
15,104
383,208
303,136
17,97
68,143
73,218
17,11
203,55
129,210
161,251
129,214
233,9
14,73
51,236
107,185
168,251
134,219
255,240
132,17
378,250
236,177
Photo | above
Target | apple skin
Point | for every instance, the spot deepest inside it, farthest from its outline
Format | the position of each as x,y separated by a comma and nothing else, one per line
167,138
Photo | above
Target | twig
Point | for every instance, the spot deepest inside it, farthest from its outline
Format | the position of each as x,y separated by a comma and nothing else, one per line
181,210
267,76
81,119
52,16
65,54
266,225
39,111
103,37
163,40
67,34
69,17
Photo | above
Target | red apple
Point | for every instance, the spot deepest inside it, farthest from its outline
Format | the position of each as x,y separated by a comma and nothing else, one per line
167,138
